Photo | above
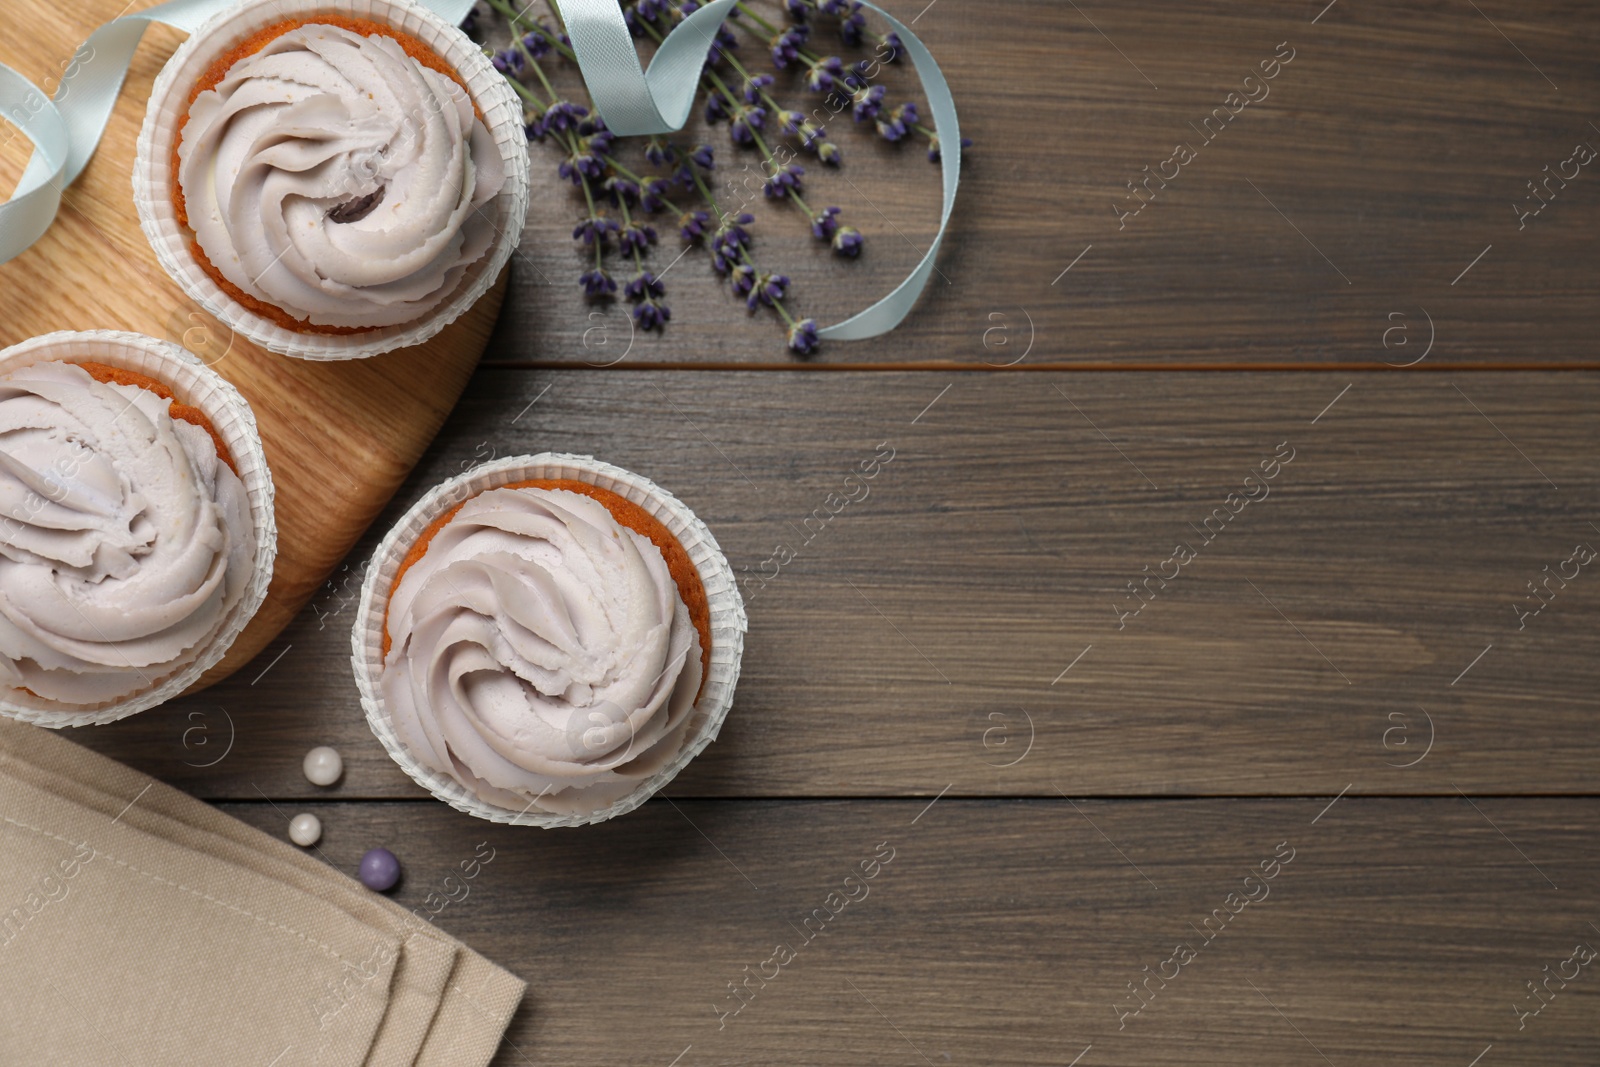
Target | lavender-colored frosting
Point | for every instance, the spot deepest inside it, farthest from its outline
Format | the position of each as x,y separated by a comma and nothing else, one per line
541,654
335,177
124,540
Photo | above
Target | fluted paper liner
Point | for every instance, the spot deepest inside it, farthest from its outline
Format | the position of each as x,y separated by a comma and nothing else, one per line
197,385
154,180
728,623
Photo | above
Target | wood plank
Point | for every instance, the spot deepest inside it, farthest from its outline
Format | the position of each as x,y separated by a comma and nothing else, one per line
1385,157
1007,932
910,643
355,427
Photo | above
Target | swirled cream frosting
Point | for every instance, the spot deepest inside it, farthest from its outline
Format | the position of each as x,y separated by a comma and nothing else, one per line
541,653
124,539
336,178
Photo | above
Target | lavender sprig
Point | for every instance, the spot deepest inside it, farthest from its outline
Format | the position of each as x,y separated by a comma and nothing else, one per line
617,199
731,256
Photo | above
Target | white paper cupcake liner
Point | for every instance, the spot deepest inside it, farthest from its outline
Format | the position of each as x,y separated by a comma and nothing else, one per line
197,385
728,624
153,177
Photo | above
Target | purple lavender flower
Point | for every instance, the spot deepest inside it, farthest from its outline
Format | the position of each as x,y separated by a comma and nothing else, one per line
848,241
636,238
799,10
786,46
596,138
743,279
644,286
651,315
725,42
537,42
730,241
564,115
792,122
597,283
704,157
716,110
803,337
646,290
692,225
868,102
580,165
508,62
746,121
595,228
852,25
733,227
653,197
894,125
895,48
659,153
769,289
825,223
783,181
755,87
829,153
651,10
622,190
823,77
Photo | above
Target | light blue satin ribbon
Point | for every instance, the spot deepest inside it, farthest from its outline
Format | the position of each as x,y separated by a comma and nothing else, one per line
66,130
635,102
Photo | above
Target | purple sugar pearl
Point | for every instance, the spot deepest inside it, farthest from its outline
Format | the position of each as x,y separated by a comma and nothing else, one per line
379,869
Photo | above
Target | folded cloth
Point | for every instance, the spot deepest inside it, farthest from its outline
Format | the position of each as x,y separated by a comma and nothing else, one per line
141,927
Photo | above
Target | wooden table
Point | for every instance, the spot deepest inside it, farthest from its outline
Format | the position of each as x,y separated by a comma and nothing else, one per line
1076,741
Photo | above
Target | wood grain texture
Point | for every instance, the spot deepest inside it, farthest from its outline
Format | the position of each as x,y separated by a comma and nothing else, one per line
339,437
1384,157
944,662
911,643
1006,932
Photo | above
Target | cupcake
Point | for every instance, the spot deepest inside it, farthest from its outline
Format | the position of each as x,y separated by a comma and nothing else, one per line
332,179
136,527
547,640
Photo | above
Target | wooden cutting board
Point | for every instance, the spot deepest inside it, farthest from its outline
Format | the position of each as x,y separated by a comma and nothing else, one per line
339,437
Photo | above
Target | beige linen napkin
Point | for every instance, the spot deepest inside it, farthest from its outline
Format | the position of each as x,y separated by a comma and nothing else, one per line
141,927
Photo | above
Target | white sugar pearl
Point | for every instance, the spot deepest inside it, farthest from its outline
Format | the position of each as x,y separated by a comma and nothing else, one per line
323,765
305,829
